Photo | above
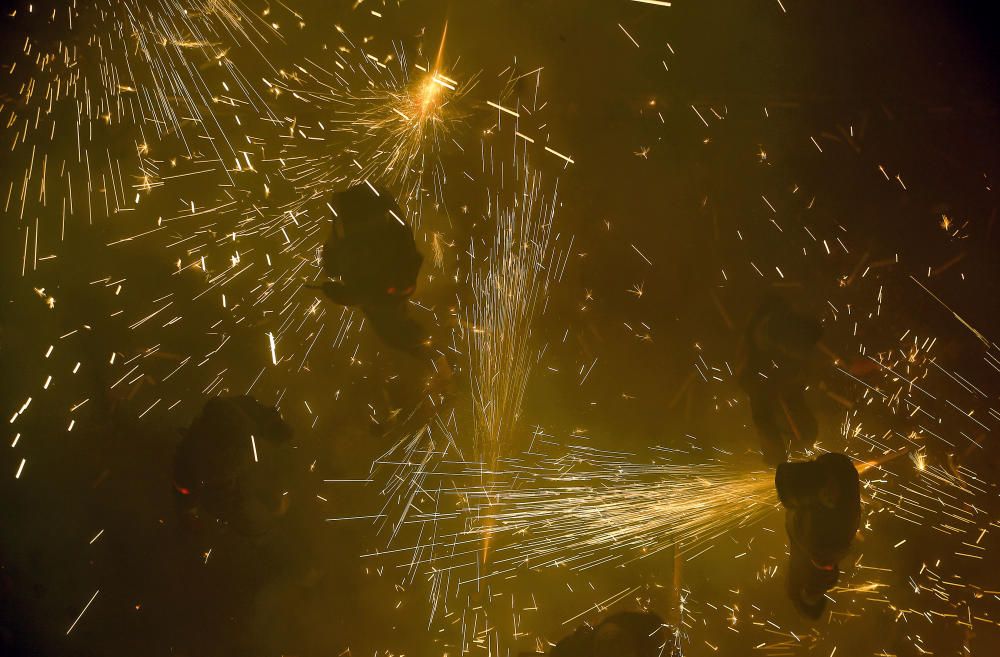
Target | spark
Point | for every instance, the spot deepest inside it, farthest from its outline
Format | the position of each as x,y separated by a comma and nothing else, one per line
628,35
85,608
274,355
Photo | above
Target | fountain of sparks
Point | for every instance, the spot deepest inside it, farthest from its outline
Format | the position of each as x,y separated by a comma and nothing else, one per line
507,299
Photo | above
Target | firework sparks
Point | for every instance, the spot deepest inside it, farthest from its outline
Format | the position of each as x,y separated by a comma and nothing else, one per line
507,300
134,125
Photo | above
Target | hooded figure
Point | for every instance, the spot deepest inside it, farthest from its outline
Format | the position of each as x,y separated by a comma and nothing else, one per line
373,262
625,634
234,465
779,346
823,500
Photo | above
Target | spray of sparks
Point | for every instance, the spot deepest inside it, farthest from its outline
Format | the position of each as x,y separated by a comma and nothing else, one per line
638,512
507,299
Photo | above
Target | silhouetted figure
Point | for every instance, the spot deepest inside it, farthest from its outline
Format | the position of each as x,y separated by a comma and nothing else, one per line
234,465
779,345
823,499
625,634
373,262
